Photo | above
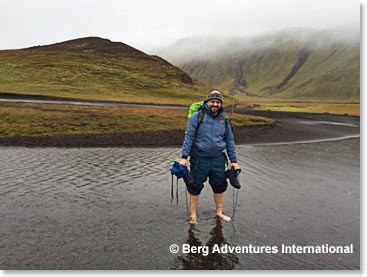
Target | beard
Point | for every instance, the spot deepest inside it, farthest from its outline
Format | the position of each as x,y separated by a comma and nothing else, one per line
214,110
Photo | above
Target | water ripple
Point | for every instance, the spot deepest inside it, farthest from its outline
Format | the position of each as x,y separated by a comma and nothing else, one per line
110,207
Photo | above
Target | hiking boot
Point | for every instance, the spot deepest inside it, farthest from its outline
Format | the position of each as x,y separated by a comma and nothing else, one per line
188,179
232,175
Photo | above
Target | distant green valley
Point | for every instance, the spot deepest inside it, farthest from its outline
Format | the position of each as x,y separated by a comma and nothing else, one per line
291,65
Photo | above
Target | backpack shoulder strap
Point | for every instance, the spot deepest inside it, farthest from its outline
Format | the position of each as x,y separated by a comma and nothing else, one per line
200,117
200,120
226,119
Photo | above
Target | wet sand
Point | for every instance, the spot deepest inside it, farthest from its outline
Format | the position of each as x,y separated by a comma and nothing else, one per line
302,127
289,127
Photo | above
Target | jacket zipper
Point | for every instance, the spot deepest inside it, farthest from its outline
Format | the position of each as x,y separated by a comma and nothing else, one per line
212,146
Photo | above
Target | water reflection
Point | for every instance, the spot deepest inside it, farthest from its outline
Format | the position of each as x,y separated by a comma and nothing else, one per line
206,259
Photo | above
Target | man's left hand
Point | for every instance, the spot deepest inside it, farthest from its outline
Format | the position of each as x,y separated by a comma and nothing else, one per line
235,165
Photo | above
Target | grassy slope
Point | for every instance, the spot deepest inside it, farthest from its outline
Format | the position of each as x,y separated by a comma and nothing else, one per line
219,71
265,69
98,77
331,72
329,75
307,107
53,120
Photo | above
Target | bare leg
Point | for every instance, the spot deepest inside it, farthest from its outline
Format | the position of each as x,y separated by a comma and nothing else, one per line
219,201
194,200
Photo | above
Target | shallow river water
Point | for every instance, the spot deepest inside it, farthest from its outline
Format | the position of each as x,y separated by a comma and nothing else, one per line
110,208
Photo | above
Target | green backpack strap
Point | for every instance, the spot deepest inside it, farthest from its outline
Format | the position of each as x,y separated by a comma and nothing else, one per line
200,120
200,117
226,119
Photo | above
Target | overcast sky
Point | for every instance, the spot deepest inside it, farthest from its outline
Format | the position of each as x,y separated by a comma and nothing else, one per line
152,24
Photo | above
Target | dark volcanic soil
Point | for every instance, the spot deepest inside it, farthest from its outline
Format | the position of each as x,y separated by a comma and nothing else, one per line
139,139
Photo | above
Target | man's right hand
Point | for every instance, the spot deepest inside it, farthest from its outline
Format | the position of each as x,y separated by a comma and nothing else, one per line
184,162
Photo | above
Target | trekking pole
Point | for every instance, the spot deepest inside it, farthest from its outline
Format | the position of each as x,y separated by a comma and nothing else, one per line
172,197
187,207
234,203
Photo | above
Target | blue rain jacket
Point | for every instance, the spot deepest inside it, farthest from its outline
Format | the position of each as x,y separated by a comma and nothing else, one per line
212,136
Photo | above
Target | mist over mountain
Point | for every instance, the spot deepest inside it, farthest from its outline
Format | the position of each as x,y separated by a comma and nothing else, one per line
296,64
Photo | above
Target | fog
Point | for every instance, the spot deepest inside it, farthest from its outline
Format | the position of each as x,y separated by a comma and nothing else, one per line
205,47
154,24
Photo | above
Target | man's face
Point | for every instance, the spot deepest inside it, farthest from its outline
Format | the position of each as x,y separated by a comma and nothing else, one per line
214,106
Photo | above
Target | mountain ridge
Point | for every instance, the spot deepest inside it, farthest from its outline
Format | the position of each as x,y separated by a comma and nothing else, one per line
90,45
93,68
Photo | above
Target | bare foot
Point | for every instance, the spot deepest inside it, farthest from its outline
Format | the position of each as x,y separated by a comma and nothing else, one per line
193,220
224,217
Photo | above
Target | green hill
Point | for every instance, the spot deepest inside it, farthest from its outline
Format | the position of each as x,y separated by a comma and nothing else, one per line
96,69
292,65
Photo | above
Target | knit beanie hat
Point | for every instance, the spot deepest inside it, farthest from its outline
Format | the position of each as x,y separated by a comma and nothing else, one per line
215,95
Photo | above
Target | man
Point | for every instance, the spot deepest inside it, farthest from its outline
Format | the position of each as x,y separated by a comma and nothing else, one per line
205,143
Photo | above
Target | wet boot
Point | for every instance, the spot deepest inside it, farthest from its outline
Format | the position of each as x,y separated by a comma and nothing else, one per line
232,175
